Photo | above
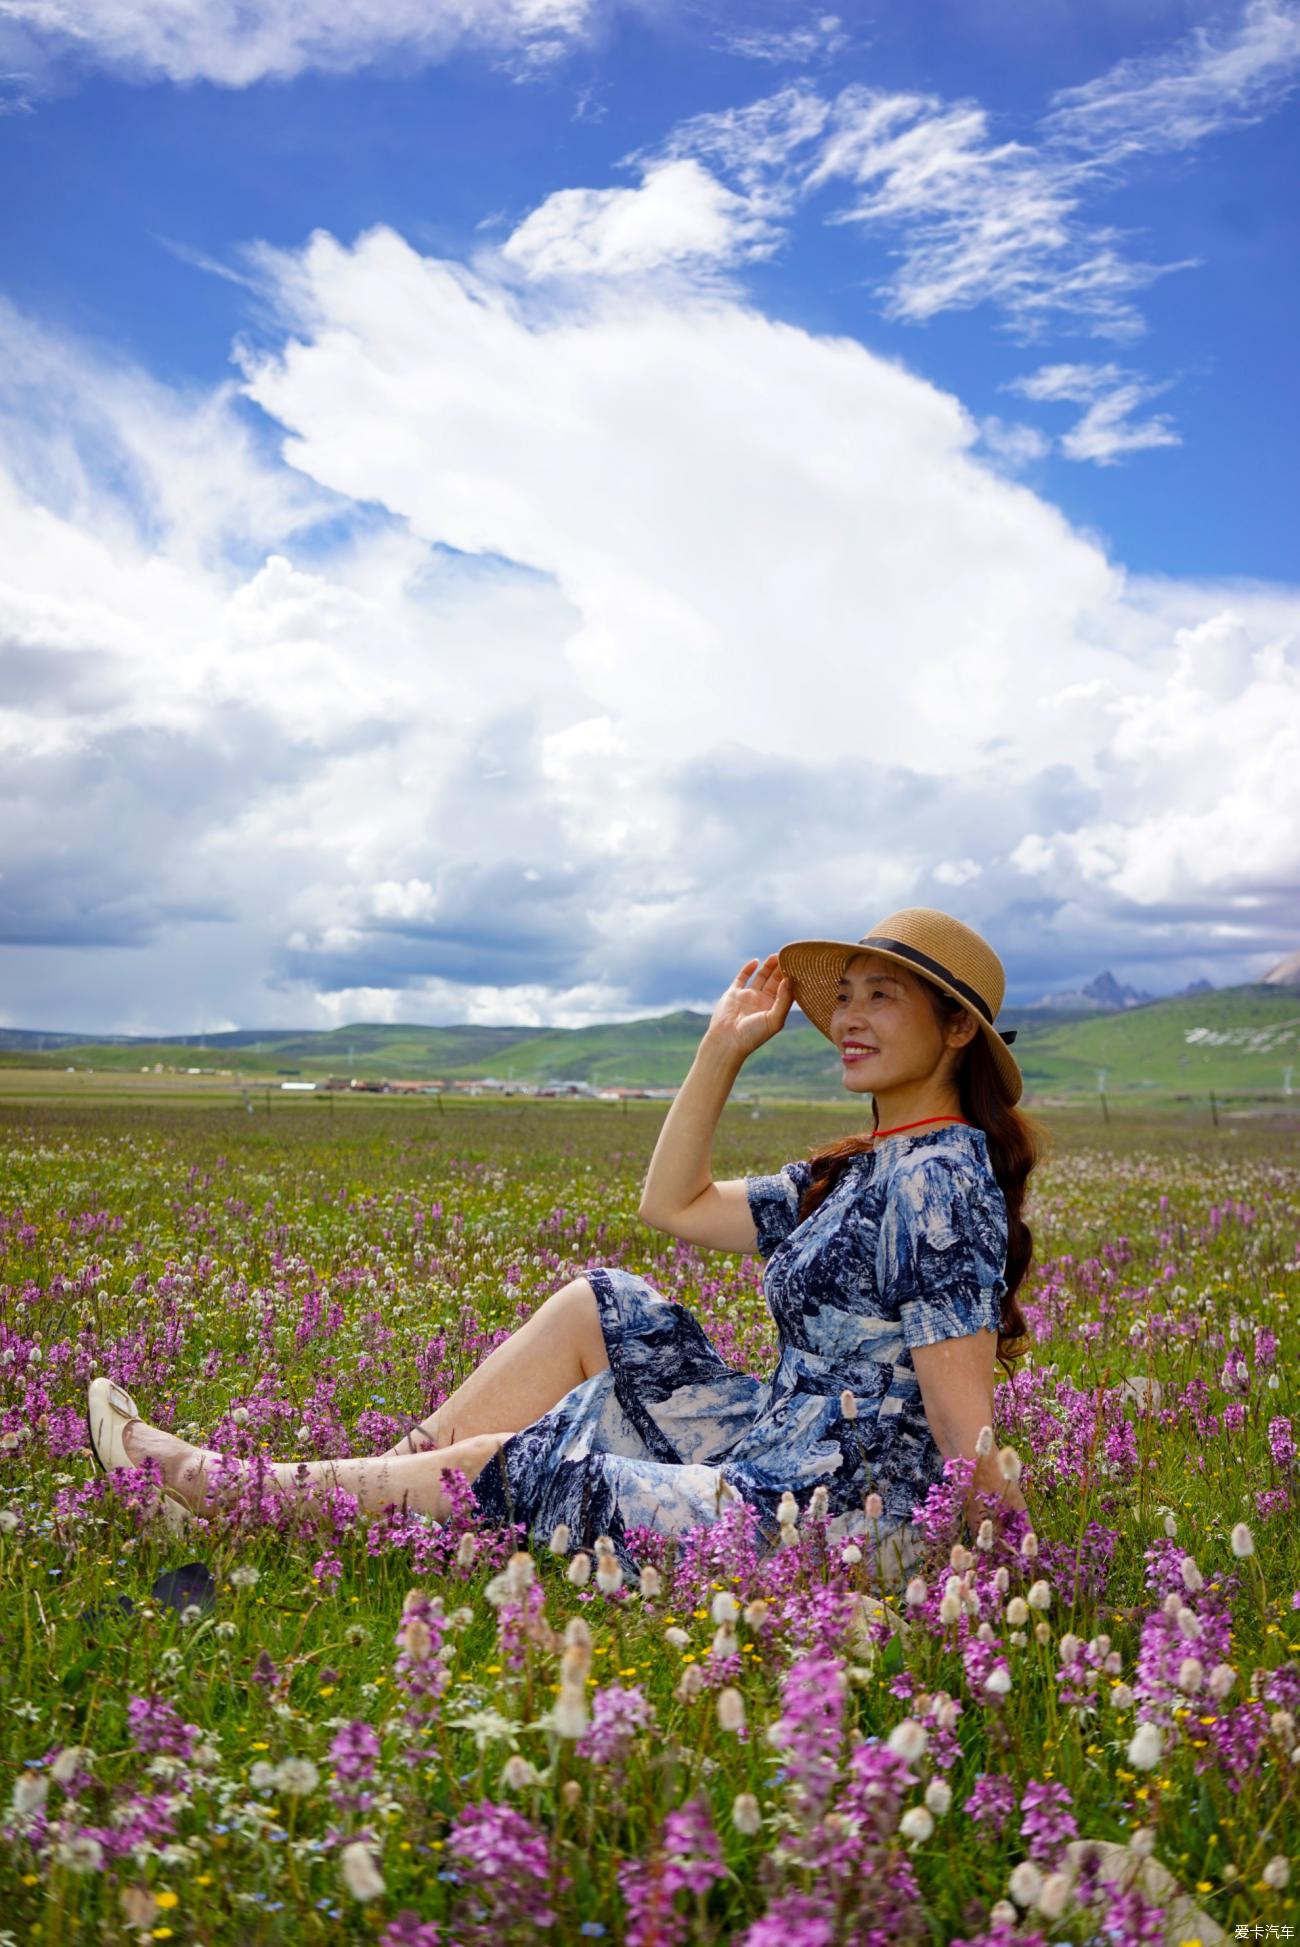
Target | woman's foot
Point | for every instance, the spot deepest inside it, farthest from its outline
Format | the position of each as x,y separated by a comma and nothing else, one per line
184,1468
111,1417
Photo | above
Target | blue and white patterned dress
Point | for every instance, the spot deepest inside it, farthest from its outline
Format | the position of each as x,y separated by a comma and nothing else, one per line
909,1248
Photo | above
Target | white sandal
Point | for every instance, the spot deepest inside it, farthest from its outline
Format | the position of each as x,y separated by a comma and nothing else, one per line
109,1411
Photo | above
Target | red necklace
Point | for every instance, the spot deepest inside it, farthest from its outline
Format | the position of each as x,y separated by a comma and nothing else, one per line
921,1125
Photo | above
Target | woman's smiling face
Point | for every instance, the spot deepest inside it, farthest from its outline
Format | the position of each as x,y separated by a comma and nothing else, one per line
884,1027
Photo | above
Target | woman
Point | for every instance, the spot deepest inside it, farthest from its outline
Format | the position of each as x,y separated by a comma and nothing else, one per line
893,1259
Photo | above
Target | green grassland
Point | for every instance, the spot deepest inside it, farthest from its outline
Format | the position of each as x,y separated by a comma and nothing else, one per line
1233,1040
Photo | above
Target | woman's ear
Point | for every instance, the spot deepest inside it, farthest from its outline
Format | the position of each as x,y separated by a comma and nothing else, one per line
963,1029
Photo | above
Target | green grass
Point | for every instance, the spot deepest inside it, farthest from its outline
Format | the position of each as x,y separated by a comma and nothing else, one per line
1242,1039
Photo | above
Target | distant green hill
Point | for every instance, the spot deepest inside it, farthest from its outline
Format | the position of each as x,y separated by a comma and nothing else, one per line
1234,1038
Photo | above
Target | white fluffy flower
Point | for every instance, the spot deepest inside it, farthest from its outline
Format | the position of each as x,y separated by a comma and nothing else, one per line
1193,1580
908,1740
609,1575
690,1684
677,1636
296,1777
569,1711
71,1759
1277,1873
1040,1595
579,1571
360,1868
245,1576
725,1607
517,1773
916,1823
848,1405
938,1796
1191,1675
1146,1746
731,1709
80,1854
1025,1883
1243,1542
466,1549
652,1582
746,1814
998,1680
1221,1679
520,1572
1054,1895
984,1441
575,1664
873,1507
560,1538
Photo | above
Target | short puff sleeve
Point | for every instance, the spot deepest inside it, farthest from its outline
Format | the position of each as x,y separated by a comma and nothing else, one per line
774,1203
942,1249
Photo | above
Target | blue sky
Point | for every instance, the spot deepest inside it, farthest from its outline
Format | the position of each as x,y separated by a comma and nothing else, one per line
507,515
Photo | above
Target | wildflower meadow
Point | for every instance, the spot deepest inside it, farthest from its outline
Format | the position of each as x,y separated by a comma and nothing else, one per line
294,1723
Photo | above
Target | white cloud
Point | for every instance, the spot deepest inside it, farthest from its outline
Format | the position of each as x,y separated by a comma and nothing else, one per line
681,215
235,44
980,220
1177,96
957,872
758,145
743,631
653,456
1015,445
1106,430
820,39
1224,726
986,217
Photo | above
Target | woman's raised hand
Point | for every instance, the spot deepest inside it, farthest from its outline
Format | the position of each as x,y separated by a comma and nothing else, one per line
753,1008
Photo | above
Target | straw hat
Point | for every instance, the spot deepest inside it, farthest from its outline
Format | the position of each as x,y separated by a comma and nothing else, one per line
952,955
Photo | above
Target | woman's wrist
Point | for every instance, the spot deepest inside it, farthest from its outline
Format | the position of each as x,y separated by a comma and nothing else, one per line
717,1052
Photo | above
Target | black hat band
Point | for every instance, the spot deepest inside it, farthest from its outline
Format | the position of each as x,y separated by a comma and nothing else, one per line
927,965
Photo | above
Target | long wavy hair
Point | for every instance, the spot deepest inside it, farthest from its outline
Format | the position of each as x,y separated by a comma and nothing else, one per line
1016,1143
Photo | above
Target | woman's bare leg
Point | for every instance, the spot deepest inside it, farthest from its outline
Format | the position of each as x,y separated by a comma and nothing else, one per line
413,1481
551,1353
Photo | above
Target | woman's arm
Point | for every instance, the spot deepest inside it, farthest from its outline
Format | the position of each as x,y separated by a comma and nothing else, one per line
679,1195
956,1380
